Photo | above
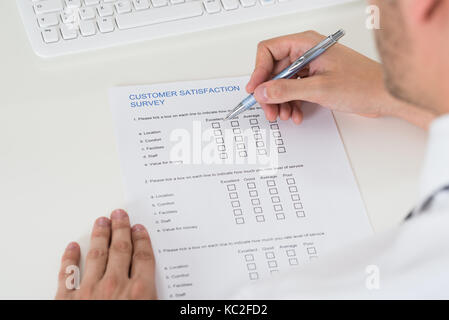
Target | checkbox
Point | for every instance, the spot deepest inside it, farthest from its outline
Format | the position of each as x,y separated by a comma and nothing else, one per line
260,218
239,220
297,205
255,202
231,187
223,156
253,193
255,129
281,150
233,195
238,212
273,190
295,197
293,189
269,255
277,207
261,151
238,138
257,136
291,253
253,276
251,266
219,140
235,204
243,154
290,181
240,146
276,134
215,125
218,133
271,183
235,123
253,121
272,264
311,250
257,209
221,147
279,142
249,257
260,144
236,131
275,199
280,216
293,261
300,214
274,126
251,185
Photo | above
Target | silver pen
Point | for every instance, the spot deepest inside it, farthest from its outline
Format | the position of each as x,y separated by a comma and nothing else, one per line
290,71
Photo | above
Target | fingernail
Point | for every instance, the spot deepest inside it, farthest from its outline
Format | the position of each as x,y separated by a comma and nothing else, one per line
72,245
261,93
103,222
138,227
118,214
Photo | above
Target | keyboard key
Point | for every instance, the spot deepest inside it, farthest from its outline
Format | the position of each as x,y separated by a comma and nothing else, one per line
67,18
266,2
141,4
230,4
68,32
159,3
87,13
73,3
48,6
212,6
91,2
123,7
105,10
48,20
154,16
248,3
106,25
50,35
87,28
177,1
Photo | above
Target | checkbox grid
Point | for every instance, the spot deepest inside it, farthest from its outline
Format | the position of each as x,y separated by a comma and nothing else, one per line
219,140
235,203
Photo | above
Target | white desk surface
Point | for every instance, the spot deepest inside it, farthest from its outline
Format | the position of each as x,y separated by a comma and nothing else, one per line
59,166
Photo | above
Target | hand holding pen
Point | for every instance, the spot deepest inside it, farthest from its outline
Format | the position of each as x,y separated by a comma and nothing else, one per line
341,79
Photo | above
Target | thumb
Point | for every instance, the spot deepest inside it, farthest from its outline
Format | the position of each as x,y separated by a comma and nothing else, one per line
285,90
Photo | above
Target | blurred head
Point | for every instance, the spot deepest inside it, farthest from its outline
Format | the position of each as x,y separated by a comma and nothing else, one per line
413,42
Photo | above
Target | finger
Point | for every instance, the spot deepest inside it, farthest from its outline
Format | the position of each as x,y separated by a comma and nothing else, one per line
120,250
276,49
271,111
285,111
309,89
143,258
281,65
67,278
97,256
297,115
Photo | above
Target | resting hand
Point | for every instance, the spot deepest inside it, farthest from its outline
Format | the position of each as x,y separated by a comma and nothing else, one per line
119,265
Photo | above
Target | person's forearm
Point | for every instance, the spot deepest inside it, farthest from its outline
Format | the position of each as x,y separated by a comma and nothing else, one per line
408,112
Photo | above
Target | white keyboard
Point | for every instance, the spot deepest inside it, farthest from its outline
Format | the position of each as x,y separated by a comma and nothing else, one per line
57,27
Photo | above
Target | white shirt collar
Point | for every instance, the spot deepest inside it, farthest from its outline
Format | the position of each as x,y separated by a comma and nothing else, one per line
436,169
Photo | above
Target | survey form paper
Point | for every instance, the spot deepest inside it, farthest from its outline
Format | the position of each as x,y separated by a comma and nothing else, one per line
229,203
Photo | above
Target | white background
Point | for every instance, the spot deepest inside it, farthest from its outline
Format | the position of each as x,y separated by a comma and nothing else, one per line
59,166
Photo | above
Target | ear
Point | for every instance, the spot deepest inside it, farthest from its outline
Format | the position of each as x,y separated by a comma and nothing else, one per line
422,11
